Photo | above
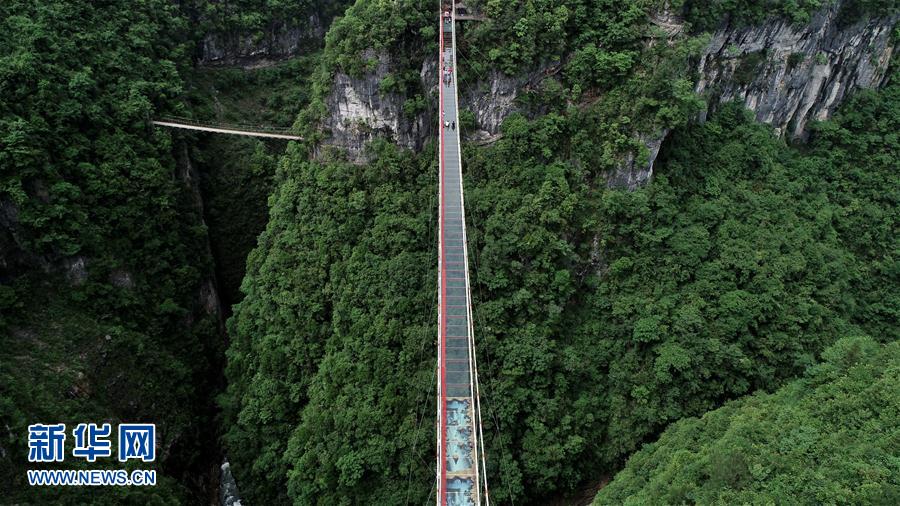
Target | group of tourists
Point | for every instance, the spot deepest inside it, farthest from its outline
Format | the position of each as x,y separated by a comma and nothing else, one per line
448,70
447,66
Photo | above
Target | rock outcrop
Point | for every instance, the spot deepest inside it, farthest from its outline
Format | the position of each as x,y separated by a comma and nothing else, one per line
787,74
492,99
359,110
636,170
228,489
278,41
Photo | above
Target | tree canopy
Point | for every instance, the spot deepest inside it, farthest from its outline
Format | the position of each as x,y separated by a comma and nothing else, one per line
601,315
830,437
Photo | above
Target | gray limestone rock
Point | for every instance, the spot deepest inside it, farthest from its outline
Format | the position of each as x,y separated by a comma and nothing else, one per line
787,74
790,74
278,41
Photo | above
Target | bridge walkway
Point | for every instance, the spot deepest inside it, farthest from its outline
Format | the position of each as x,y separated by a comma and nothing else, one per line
460,454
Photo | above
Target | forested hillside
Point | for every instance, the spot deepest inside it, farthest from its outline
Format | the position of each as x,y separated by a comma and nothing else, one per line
601,315
108,300
828,438
87,275
746,297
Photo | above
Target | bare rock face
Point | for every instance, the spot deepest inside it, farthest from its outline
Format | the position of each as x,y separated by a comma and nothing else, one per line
789,74
75,269
208,297
491,101
669,20
121,278
637,169
228,489
278,41
359,111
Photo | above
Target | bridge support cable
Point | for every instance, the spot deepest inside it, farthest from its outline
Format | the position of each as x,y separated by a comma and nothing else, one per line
461,477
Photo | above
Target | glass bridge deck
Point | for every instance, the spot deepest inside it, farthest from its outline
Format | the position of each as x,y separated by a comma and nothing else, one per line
458,411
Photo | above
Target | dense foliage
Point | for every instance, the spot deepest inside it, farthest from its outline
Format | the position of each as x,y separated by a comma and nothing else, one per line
520,34
370,28
106,305
829,438
75,109
316,404
260,18
601,315
237,172
705,15
709,15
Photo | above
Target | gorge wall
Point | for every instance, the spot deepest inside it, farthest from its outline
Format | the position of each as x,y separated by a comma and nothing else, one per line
358,110
277,41
787,74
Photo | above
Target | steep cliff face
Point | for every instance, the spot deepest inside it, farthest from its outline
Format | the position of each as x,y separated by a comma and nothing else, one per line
278,41
634,171
491,100
207,295
788,74
359,111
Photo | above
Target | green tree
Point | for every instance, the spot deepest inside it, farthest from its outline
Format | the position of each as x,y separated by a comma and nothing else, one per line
829,437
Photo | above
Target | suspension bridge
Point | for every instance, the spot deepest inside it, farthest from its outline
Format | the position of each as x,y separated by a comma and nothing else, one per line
222,128
461,477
